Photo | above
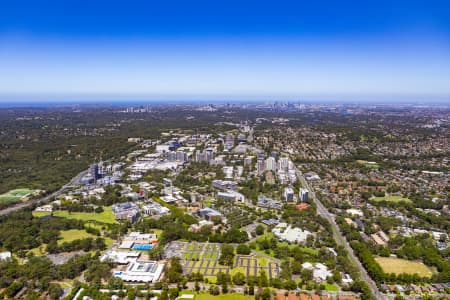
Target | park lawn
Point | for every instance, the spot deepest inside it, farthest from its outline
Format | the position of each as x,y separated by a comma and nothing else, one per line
158,232
39,251
395,199
306,250
237,270
234,296
77,234
106,216
366,164
39,214
65,284
331,287
398,266
74,234
212,280
271,253
14,195
262,261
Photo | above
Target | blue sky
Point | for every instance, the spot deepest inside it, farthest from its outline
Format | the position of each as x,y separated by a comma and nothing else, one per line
224,50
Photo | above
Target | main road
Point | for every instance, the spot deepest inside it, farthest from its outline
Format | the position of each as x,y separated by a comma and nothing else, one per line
340,239
73,182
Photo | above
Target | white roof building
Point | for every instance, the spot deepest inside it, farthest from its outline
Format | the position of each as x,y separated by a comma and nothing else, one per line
121,257
292,235
148,271
5,255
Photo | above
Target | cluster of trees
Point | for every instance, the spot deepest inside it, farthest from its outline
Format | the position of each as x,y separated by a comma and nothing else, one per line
20,231
189,177
176,224
37,273
227,255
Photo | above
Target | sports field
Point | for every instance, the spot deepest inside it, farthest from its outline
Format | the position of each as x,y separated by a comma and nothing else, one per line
371,165
106,216
398,266
15,195
74,234
395,199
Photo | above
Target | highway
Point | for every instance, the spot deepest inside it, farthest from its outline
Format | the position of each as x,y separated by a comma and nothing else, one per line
73,182
340,239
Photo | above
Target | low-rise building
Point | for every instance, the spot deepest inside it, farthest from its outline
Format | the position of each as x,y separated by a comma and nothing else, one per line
127,211
293,235
141,271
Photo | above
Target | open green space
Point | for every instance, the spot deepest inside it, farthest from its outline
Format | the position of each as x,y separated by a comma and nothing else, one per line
235,296
14,195
365,163
398,266
331,287
395,199
106,216
39,251
68,236
238,270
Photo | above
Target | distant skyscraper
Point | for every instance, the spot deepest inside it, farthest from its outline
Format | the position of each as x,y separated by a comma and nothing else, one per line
303,195
260,164
93,170
283,163
271,164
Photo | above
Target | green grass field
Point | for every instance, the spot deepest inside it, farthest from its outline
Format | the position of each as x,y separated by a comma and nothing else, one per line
395,199
74,234
39,251
331,287
366,164
207,296
398,266
106,216
14,195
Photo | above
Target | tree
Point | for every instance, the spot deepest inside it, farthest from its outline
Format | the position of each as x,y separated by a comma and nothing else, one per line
227,255
175,272
214,290
115,283
296,267
306,274
243,249
55,291
239,278
265,295
259,229
251,290
224,288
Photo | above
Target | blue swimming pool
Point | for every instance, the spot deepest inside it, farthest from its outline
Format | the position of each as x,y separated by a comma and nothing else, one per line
142,246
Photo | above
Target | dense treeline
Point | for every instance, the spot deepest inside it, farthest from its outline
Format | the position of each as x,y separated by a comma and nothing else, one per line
37,273
176,224
21,231
86,244
51,145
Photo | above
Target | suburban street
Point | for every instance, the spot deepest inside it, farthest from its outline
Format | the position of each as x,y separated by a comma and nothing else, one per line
340,239
73,182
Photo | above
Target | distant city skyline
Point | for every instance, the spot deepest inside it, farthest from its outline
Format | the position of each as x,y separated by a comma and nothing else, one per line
201,50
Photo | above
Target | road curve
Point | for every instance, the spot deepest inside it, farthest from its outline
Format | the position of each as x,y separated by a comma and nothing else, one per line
74,181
